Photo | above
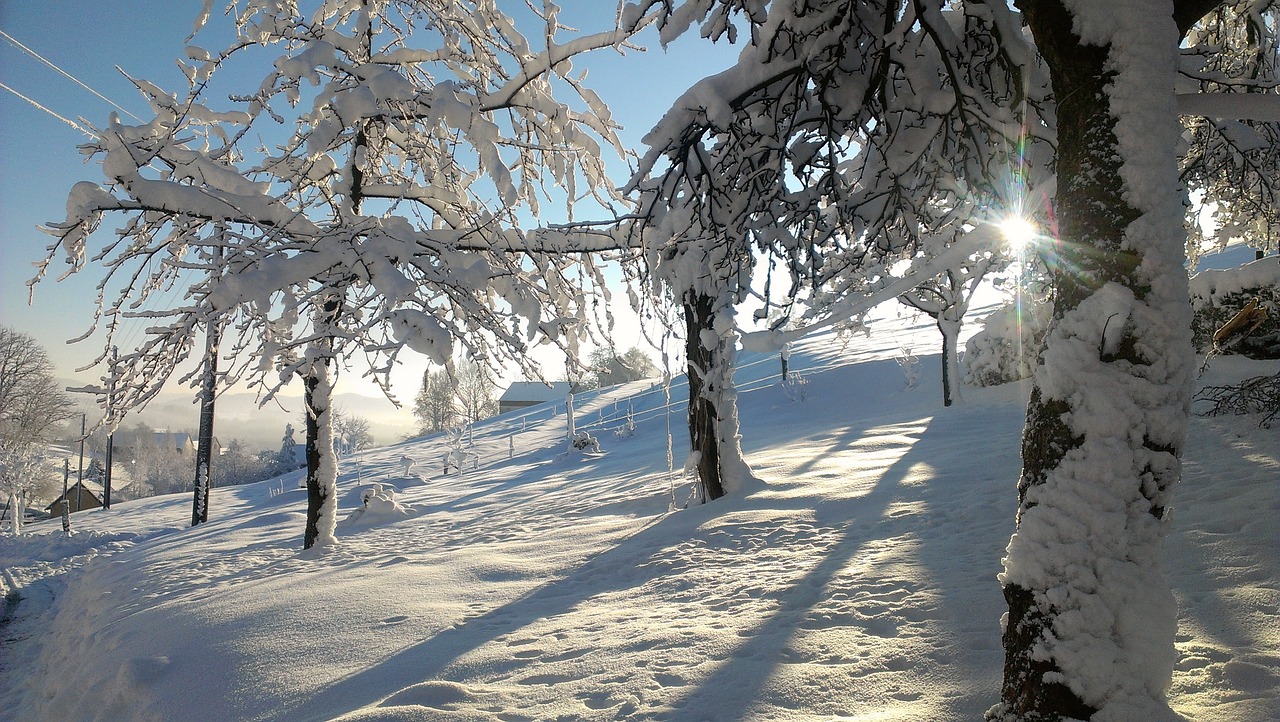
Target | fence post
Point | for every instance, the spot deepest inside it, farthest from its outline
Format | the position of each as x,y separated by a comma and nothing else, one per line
568,414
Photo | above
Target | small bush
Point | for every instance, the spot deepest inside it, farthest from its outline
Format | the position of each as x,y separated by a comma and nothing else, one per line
1006,348
1260,394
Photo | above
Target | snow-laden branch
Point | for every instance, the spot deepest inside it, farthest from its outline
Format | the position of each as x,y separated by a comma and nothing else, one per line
1264,107
888,288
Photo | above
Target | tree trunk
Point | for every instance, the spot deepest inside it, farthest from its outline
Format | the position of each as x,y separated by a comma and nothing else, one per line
321,465
699,315
204,445
950,330
1091,619
710,347
15,506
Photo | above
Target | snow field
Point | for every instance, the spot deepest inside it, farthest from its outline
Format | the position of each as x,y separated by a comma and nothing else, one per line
858,585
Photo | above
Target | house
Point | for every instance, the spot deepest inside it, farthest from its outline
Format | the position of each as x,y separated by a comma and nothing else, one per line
82,495
183,442
521,394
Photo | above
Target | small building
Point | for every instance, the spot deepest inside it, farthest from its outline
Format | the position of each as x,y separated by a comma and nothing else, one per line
184,443
82,495
521,394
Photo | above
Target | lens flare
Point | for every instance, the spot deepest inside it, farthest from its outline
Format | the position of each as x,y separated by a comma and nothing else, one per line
1018,232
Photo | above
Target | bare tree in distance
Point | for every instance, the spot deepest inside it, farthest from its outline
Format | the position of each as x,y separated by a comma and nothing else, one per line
435,406
607,367
32,405
475,391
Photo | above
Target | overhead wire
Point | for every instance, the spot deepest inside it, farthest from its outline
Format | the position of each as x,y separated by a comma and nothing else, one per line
132,331
69,76
68,121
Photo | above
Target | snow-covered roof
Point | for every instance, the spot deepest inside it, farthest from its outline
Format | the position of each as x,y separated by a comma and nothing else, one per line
534,392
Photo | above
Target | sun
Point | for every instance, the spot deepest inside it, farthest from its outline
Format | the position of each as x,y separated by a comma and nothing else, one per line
1018,232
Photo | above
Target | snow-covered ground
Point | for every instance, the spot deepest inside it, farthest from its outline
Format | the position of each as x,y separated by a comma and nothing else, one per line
858,585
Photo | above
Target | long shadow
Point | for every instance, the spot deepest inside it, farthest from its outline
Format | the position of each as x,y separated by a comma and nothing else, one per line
951,548
1213,556
729,693
619,567
622,567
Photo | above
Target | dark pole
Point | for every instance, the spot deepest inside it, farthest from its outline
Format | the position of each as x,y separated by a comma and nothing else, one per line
111,436
80,468
106,479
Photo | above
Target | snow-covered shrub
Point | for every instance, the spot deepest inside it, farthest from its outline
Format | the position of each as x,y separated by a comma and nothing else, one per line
910,364
1217,295
628,428
794,387
379,506
1005,349
584,441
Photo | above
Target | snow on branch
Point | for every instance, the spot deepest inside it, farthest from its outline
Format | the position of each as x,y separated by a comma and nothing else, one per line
383,166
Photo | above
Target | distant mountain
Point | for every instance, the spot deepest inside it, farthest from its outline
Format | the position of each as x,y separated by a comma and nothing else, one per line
238,416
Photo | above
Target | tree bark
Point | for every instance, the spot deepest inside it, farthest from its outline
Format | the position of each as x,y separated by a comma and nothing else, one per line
319,450
1080,473
950,330
204,445
699,316
322,468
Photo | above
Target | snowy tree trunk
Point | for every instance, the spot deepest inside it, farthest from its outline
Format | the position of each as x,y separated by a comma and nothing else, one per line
15,504
1090,628
204,447
950,329
700,360
322,468
713,403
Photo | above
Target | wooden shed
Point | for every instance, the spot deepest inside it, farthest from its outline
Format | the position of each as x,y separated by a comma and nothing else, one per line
82,495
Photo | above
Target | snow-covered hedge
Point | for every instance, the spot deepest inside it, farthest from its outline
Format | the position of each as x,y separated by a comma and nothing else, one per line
1217,295
1005,349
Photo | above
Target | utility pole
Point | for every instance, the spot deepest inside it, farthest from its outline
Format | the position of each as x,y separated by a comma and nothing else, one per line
80,467
111,433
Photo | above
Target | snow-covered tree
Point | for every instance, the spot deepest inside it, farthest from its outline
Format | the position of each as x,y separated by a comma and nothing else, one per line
287,455
847,135
1091,619
475,390
900,120
1233,155
351,432
945,298
435,407
408,138
1008,345
32,405
607,367
698,267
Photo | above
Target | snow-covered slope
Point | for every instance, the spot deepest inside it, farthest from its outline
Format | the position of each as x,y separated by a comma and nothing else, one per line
860,584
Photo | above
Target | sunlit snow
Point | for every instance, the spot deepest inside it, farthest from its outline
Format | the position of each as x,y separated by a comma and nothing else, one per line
859,584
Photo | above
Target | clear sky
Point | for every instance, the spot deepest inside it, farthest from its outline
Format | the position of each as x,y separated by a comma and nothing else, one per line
39,160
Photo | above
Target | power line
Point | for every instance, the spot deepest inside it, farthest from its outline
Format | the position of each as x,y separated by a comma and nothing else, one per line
69,122
69,76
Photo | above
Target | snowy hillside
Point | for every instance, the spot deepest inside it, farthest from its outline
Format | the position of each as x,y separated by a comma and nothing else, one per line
859,584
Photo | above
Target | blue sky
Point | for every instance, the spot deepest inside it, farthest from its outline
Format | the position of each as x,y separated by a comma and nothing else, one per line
39,160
